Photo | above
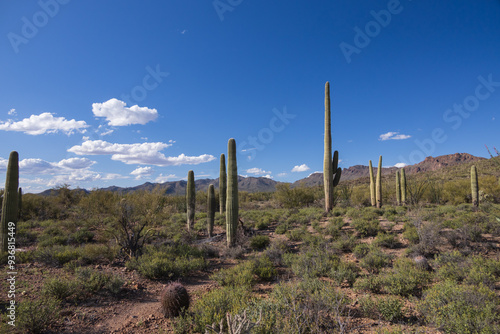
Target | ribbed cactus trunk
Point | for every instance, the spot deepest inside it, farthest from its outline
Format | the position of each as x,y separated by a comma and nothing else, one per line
378,185
232,194
403,186
10,211
327,161
19,204
398,188
474,186
222,184
190,200
372,185
211,208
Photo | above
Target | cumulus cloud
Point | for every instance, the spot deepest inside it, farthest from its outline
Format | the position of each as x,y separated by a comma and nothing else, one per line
301,168
400,165
138,153
257,171
117,113
141,172
393,136
164,178
44,123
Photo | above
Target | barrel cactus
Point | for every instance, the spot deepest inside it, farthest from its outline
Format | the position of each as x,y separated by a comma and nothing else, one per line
174,300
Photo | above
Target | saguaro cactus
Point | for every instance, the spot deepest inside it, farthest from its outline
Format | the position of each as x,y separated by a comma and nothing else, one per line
378,185
403,186
372,184
211,207
222,184
232,193
190,200
474,186
398,188
19,204
10,211
331,171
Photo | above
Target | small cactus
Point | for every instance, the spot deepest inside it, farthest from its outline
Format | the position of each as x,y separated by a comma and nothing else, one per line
474,186
222,184
378,184
190,200
232,194
372,184
211,207
10,211
174,300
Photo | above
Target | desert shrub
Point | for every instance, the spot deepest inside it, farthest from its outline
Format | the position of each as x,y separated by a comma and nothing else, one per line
361,250
365,227
297,197
282,228
311,263
114,285
259,242
410,233
461,308
375,260
405,279
60,289
174,300
345,272
386,240
334,227
168,262
370,283
297,234
57,255
38,315
81,236
388,308
239,275
264,268
275,252
213,306
346,242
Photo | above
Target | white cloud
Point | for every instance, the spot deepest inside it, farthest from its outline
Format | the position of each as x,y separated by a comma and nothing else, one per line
257,171
118,114
268,176
12,112
138,153
400,165
164,178
282,174
141,172
108,132
301,168
39,166
393,136
44,123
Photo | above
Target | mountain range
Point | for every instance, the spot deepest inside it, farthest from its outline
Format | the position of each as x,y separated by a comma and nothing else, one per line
263,184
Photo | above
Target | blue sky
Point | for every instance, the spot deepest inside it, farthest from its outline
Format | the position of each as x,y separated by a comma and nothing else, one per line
99,93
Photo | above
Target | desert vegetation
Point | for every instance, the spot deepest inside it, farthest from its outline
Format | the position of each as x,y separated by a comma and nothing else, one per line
402,253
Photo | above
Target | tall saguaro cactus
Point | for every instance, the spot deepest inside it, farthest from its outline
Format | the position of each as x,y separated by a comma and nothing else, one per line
398,188
232,193
403,186
331,171
211,207
19,203
10,211
378,185
222,184
190,200
372,184
474,186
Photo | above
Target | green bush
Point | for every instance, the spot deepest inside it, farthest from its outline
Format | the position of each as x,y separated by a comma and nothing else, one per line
405,279
375,260
38,315
345,272
387,308
461,308
361,250
239,275
264,268
259,242
371,283
311,263
386,240
60,289
366,228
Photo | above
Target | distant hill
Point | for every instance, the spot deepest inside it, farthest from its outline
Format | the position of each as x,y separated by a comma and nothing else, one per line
263,184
